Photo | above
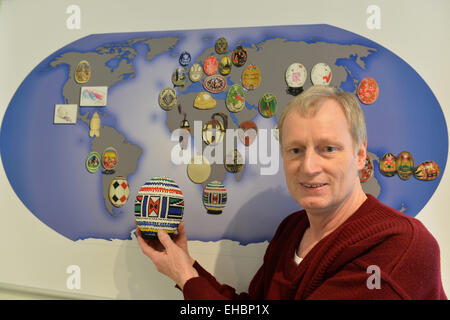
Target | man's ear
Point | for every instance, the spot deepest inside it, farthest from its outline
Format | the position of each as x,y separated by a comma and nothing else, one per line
362,153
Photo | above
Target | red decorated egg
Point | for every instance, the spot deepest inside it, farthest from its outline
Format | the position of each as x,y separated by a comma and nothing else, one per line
388,165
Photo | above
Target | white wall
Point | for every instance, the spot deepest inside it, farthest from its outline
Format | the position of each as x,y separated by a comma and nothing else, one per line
415,30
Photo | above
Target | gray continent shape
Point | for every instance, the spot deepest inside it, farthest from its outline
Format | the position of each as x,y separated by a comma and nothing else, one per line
273,57
102,75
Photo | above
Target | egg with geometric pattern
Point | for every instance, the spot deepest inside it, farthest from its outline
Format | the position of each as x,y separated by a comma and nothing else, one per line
119,191
214,197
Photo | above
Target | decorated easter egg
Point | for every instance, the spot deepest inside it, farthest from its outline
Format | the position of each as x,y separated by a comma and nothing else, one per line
239,56
214,130
405,165
195,72
251,77
179,77
185,58
167,98
235,100
93,162
215,197
427,170
159,205
119,191
215,83
221,45
199,169
210,65
83,72
110,159
267,105
225,65
234,162
248,133
368,90
321,74
367,172
387,165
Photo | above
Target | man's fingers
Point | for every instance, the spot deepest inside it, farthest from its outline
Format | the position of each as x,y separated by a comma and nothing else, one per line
164,238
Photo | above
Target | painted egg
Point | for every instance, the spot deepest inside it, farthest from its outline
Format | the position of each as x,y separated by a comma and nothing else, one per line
387,165
195,72
185,58
321,74
93,162
214,197
248,133
221,46
251,77
167,98
204,101
367,172
405,165
239,56
296,75
427,170
83,72
159,205
210,65
368,90
214,130
225,65
215,83
119,191
267,105
234,162
110,159
179,77
235,100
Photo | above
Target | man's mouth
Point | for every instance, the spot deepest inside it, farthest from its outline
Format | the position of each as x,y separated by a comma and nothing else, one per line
313,185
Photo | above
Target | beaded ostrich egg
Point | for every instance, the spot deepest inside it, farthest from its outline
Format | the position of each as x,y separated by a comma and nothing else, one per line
159,205
215,197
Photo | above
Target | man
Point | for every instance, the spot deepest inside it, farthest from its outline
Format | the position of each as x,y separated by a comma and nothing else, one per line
345,244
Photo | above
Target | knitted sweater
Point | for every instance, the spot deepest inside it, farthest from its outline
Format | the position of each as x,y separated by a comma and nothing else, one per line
343,264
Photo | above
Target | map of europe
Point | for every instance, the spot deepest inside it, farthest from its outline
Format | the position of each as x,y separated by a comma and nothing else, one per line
45,163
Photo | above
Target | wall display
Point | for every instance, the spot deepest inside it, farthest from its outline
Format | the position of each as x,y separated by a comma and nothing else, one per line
159,205
321,74
93,96
65,114
215,197
94,125
83,72
140,120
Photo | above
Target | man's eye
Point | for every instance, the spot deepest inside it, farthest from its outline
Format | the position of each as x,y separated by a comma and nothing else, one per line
330,149
294,151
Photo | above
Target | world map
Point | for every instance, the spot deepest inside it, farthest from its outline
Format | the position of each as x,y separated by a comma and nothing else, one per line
45,163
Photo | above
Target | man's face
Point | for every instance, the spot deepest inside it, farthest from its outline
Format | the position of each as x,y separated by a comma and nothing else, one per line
320,164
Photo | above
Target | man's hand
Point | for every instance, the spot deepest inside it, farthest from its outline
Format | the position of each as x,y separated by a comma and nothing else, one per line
171,257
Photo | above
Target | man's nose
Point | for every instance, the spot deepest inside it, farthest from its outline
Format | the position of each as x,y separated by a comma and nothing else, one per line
311,162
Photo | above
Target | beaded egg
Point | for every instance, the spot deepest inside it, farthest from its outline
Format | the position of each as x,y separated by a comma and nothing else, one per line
159,205
215,197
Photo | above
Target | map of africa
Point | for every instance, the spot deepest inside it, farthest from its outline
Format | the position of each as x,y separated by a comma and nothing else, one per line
45,163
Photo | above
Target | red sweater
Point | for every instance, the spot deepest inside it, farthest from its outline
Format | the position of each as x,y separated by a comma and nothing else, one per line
405,252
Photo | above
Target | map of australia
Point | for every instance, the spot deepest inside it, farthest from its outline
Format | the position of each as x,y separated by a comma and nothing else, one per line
136,67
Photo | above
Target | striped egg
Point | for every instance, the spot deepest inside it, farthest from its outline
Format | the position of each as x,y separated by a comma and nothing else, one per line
405,165
215,197
427,170
159,205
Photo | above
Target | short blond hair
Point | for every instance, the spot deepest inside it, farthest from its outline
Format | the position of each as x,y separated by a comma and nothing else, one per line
310,101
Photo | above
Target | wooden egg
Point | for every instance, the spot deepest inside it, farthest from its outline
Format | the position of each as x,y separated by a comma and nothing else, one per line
387,165
427,170
405,165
